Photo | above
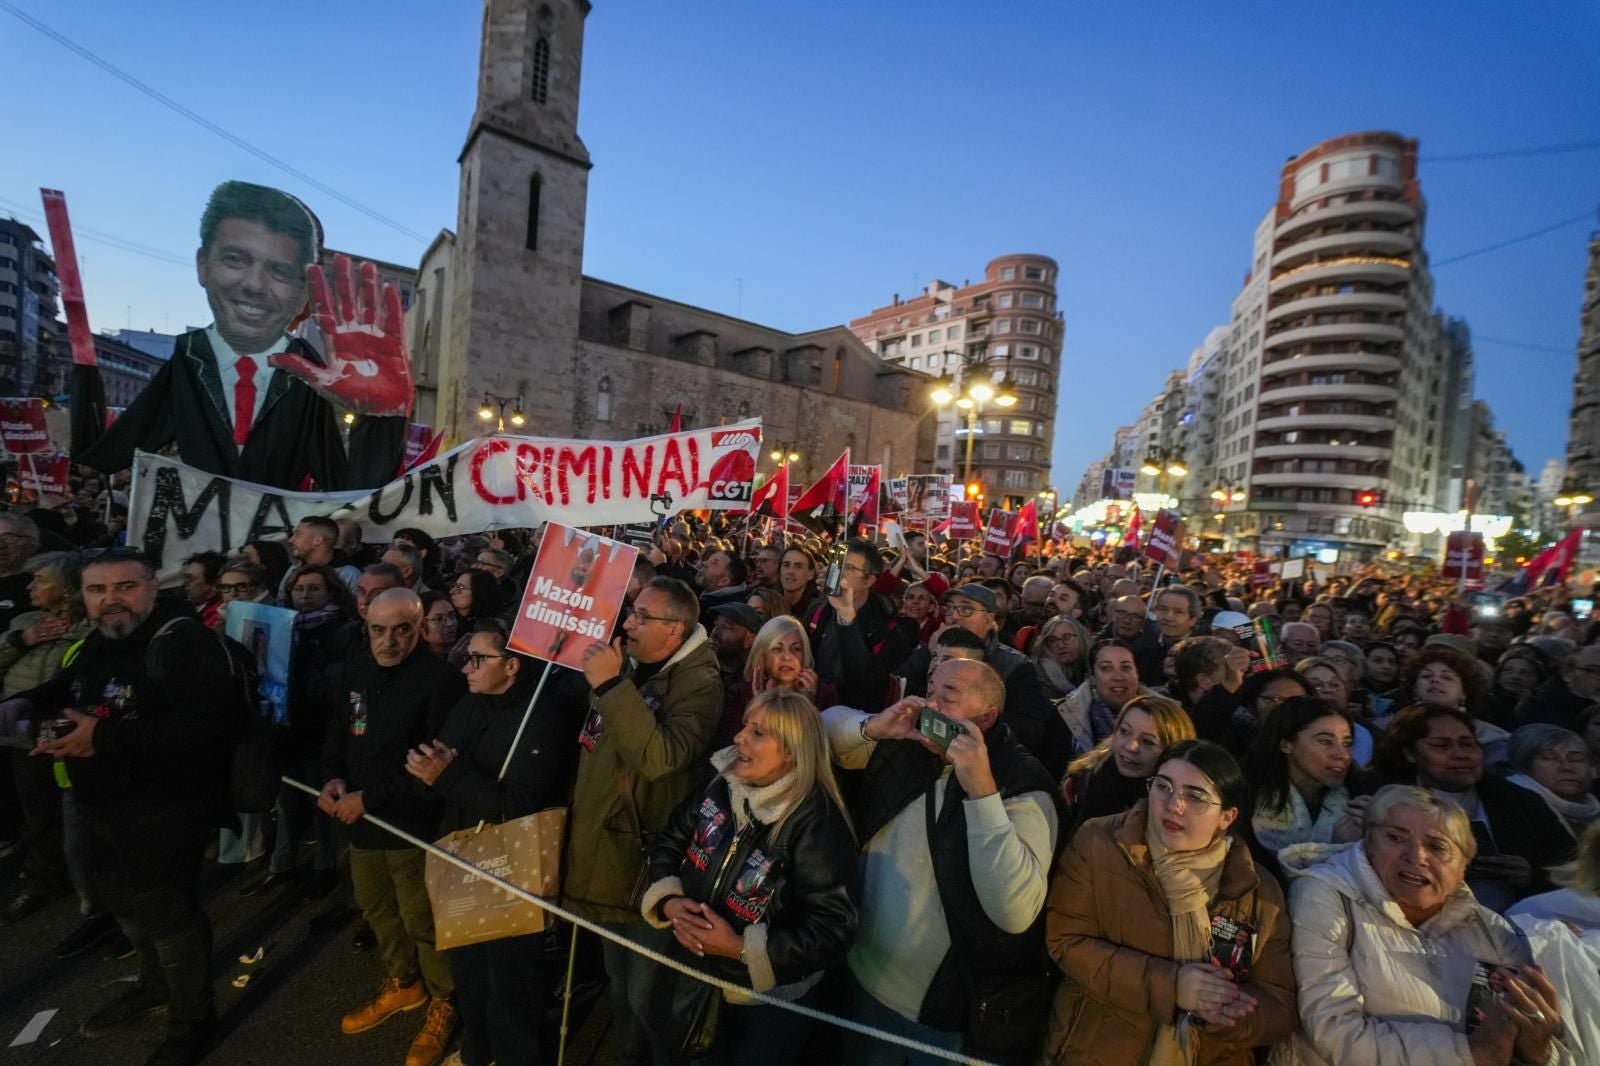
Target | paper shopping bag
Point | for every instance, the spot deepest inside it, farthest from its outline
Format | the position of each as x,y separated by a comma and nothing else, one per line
525,852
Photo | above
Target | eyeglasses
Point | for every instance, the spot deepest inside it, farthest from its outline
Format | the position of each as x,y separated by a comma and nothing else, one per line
234,588
1164,790
634,612
854,569
476,659
961,610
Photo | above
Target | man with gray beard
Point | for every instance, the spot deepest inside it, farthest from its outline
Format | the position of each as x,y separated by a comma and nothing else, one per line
143,721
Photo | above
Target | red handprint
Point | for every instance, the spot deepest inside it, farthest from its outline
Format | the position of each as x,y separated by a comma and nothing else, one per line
367,369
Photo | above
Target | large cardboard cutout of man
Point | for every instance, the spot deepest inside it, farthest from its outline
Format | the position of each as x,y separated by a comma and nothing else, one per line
246,399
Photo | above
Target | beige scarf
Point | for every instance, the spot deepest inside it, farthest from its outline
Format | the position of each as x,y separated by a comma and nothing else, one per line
1189,879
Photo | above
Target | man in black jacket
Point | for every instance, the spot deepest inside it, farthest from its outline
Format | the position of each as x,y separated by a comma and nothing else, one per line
145,739
500,983
855,636
396,698
243,399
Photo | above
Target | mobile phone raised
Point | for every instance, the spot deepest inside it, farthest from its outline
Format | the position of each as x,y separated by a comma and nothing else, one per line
937,728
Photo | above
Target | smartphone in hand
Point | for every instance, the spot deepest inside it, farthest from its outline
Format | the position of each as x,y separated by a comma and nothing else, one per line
937,727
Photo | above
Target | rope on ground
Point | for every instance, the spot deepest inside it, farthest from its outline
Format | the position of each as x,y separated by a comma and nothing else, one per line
742,991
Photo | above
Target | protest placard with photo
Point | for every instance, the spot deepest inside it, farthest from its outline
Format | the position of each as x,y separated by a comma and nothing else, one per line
268,632
963,520
22,426
1165,545
1001,535
573,596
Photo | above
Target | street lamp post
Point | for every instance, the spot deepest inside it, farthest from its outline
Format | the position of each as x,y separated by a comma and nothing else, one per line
1573,497
784,452
976,389
1163,464
488,412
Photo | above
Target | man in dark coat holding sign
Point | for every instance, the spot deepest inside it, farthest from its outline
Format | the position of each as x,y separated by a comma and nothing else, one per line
242,398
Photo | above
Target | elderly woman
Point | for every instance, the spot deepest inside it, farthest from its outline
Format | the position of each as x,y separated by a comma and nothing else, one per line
773,821
1554,764
1437,748
1111,777
1299,769
1390,945
1135,914
1061,656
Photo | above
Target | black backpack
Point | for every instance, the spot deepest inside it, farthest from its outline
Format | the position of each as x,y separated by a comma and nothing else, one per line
253,771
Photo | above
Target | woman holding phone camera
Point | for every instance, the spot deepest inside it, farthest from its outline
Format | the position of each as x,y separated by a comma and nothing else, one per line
1175,949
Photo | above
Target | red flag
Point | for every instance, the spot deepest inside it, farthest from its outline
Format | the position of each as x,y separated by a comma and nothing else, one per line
824,501
1555,560
1027,523
677,421
772,499
1130,534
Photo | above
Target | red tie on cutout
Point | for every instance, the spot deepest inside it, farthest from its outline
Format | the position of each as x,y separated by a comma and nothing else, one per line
244,399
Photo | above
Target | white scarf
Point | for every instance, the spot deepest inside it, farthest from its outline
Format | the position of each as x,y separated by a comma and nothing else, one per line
1292,823
1575,814
768,804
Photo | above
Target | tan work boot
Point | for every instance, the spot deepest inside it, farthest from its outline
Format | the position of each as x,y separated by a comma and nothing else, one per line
392,998
428,1047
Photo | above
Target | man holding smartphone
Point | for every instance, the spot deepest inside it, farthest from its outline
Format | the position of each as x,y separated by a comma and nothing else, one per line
958,840
858,645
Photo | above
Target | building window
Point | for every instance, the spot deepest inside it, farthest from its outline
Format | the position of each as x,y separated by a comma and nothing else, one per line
1001,351
602,400
954,334
1028,325
991,425
913,362
1022,426
1025,377
541,70
1027,351
942,452
1033,273
1004,300
1032,299
1008,273
991,451
916,340
1002,325
933,336
1017,479
1021,453
535,187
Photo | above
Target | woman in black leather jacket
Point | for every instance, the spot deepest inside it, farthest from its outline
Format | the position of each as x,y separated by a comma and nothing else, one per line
751,876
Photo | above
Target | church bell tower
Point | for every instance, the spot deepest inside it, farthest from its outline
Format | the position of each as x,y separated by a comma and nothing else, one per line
518,260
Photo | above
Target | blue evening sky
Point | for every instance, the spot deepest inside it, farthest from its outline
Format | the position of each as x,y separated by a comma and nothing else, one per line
833,154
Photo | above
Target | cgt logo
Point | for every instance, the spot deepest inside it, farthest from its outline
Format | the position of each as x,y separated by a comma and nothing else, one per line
729,490
730,477
738,438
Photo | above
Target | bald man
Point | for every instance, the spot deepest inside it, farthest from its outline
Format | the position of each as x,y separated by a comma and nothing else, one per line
991,837
395,696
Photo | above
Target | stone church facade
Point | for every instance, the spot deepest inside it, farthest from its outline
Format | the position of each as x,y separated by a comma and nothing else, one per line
502,307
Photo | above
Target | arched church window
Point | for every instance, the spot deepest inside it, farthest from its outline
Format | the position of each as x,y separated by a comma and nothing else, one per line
602,400
541,70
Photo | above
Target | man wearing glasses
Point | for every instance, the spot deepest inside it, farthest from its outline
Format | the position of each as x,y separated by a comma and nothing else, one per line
858,645
1575,687
395,697
497,980
655,704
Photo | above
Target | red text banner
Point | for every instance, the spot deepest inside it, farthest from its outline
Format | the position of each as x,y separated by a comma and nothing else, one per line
573,595
22,426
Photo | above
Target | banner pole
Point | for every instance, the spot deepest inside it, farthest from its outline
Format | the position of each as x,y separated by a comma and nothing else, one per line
1155,588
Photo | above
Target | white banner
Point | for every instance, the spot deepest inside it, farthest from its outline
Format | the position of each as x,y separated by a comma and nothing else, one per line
493,482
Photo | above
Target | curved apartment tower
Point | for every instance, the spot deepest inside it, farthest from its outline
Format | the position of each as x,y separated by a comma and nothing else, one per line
1332,408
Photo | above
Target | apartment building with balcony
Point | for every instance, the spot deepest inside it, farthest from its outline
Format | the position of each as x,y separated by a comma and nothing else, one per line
1336,367
29,303
1009,319
1583,438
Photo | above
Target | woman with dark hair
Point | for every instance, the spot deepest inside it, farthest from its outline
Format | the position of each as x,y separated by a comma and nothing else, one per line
1299,768
1522,668
1134,920
1440,676
441,627
272,558
475,594
1259,696
1383,668
1520,838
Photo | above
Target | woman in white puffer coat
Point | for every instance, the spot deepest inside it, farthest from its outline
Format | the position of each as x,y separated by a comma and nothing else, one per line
1387,941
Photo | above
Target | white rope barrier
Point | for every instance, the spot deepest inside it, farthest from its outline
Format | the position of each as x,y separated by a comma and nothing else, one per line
742,991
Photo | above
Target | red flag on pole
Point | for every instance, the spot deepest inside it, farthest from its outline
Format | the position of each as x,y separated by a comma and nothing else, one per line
1027,524
771,500
823,503
1550,566
1130,534
677,421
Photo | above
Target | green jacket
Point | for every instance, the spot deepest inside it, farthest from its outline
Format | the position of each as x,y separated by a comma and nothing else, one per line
24,668
653,742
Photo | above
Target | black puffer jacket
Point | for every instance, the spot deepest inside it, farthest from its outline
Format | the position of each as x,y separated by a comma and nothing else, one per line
785,890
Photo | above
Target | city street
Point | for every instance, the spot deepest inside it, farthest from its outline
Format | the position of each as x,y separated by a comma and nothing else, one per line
288,1011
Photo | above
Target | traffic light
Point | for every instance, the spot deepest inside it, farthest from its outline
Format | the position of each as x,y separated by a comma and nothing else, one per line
1368,497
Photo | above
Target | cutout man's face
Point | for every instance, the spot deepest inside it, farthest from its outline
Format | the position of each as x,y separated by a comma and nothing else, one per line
254,283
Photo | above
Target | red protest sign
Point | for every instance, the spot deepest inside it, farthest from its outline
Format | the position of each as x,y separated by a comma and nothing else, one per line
574,593
1261,574
22,426
1165,545
1002,532
1463,558
963,519
46,477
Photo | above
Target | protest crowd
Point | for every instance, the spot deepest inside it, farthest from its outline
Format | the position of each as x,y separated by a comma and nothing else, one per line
1023,809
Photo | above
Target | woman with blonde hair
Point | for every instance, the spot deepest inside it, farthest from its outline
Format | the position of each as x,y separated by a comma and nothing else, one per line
1110,777
779,658
1577,901
750,875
